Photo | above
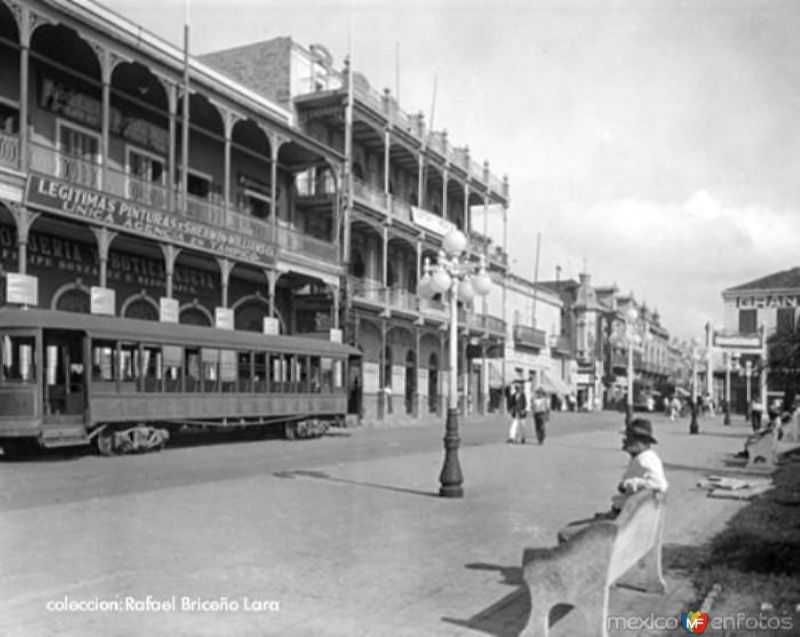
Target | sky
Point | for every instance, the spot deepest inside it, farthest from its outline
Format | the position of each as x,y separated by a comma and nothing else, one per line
653,144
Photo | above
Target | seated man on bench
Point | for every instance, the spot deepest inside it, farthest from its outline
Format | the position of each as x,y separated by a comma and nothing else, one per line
645,471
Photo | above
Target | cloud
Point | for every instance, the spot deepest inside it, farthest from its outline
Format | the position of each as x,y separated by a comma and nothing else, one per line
678,257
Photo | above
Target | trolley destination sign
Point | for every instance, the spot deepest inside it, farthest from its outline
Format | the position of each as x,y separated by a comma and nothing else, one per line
77,202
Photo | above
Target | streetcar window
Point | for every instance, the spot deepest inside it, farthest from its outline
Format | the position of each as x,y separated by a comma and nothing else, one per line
261,379
103,361
173,367
191,369
278,369
128,362
210,357
152,365
326,375
244,371
315,375
338,375
18,359
292,370
228,368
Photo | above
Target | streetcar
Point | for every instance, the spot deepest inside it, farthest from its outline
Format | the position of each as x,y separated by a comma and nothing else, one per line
125,385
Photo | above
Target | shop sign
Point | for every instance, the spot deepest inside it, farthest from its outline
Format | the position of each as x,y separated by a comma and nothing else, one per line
271,325
768,301
737,341
168,310
22,289
335,335
223,318
81,203
103,300
431,222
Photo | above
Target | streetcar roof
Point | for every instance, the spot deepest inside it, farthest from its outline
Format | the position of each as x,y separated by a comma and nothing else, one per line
138,330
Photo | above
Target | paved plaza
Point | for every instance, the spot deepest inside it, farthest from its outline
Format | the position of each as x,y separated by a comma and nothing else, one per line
357,548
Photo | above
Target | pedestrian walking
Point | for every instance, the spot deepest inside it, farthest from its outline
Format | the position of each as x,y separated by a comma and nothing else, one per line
675,408
541,412
517,407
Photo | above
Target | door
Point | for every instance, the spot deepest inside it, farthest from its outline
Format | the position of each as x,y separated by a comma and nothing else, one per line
64,392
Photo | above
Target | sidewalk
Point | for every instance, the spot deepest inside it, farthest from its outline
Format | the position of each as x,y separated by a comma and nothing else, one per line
364,548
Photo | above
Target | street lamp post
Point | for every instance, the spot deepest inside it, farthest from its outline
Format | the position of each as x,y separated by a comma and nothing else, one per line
461,279
748,374
695,354
636,333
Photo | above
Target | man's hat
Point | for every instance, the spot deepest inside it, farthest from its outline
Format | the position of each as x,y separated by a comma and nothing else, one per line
640,429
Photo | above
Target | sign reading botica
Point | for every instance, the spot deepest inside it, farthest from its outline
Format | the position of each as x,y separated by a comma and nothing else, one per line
81,203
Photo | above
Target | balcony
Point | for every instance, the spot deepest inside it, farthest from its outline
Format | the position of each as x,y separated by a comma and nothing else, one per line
157,198
491,324
434,309
561,345
387,106
370,291
530,337
371,197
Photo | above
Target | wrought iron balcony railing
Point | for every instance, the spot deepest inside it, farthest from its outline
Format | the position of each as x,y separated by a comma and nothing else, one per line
90,174
529,337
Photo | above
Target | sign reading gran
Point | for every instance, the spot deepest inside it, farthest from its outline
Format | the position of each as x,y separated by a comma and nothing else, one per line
768,300
77,202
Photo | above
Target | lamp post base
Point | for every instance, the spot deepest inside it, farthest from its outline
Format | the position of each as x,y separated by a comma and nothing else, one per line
694,428
451,478
727,419
628,415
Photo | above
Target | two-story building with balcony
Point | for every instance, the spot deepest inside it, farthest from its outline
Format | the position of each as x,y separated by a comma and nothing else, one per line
138,182
581,329
534,351
404,187
755,313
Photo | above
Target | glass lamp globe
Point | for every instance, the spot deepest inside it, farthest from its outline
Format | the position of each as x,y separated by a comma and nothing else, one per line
482,283
465,290
440,281
454,243
631,315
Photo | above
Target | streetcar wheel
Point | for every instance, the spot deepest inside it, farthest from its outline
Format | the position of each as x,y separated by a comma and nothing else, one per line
105,443
290,430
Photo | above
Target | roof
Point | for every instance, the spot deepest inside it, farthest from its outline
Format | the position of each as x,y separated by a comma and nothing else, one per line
777,280
135,330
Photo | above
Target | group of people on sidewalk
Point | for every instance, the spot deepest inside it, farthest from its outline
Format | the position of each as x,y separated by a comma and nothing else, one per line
517,408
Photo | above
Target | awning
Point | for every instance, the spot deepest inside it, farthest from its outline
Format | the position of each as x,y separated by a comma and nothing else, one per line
553,384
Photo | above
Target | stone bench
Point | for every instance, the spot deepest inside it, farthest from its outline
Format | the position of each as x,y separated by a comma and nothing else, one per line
579,572
763,452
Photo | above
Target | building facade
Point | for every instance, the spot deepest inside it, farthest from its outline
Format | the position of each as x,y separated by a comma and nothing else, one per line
405,187
754,313
137,182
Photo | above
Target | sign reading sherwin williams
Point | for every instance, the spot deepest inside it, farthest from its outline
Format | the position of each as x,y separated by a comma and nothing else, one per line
77,202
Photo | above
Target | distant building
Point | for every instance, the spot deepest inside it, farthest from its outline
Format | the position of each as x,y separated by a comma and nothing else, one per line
754,312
